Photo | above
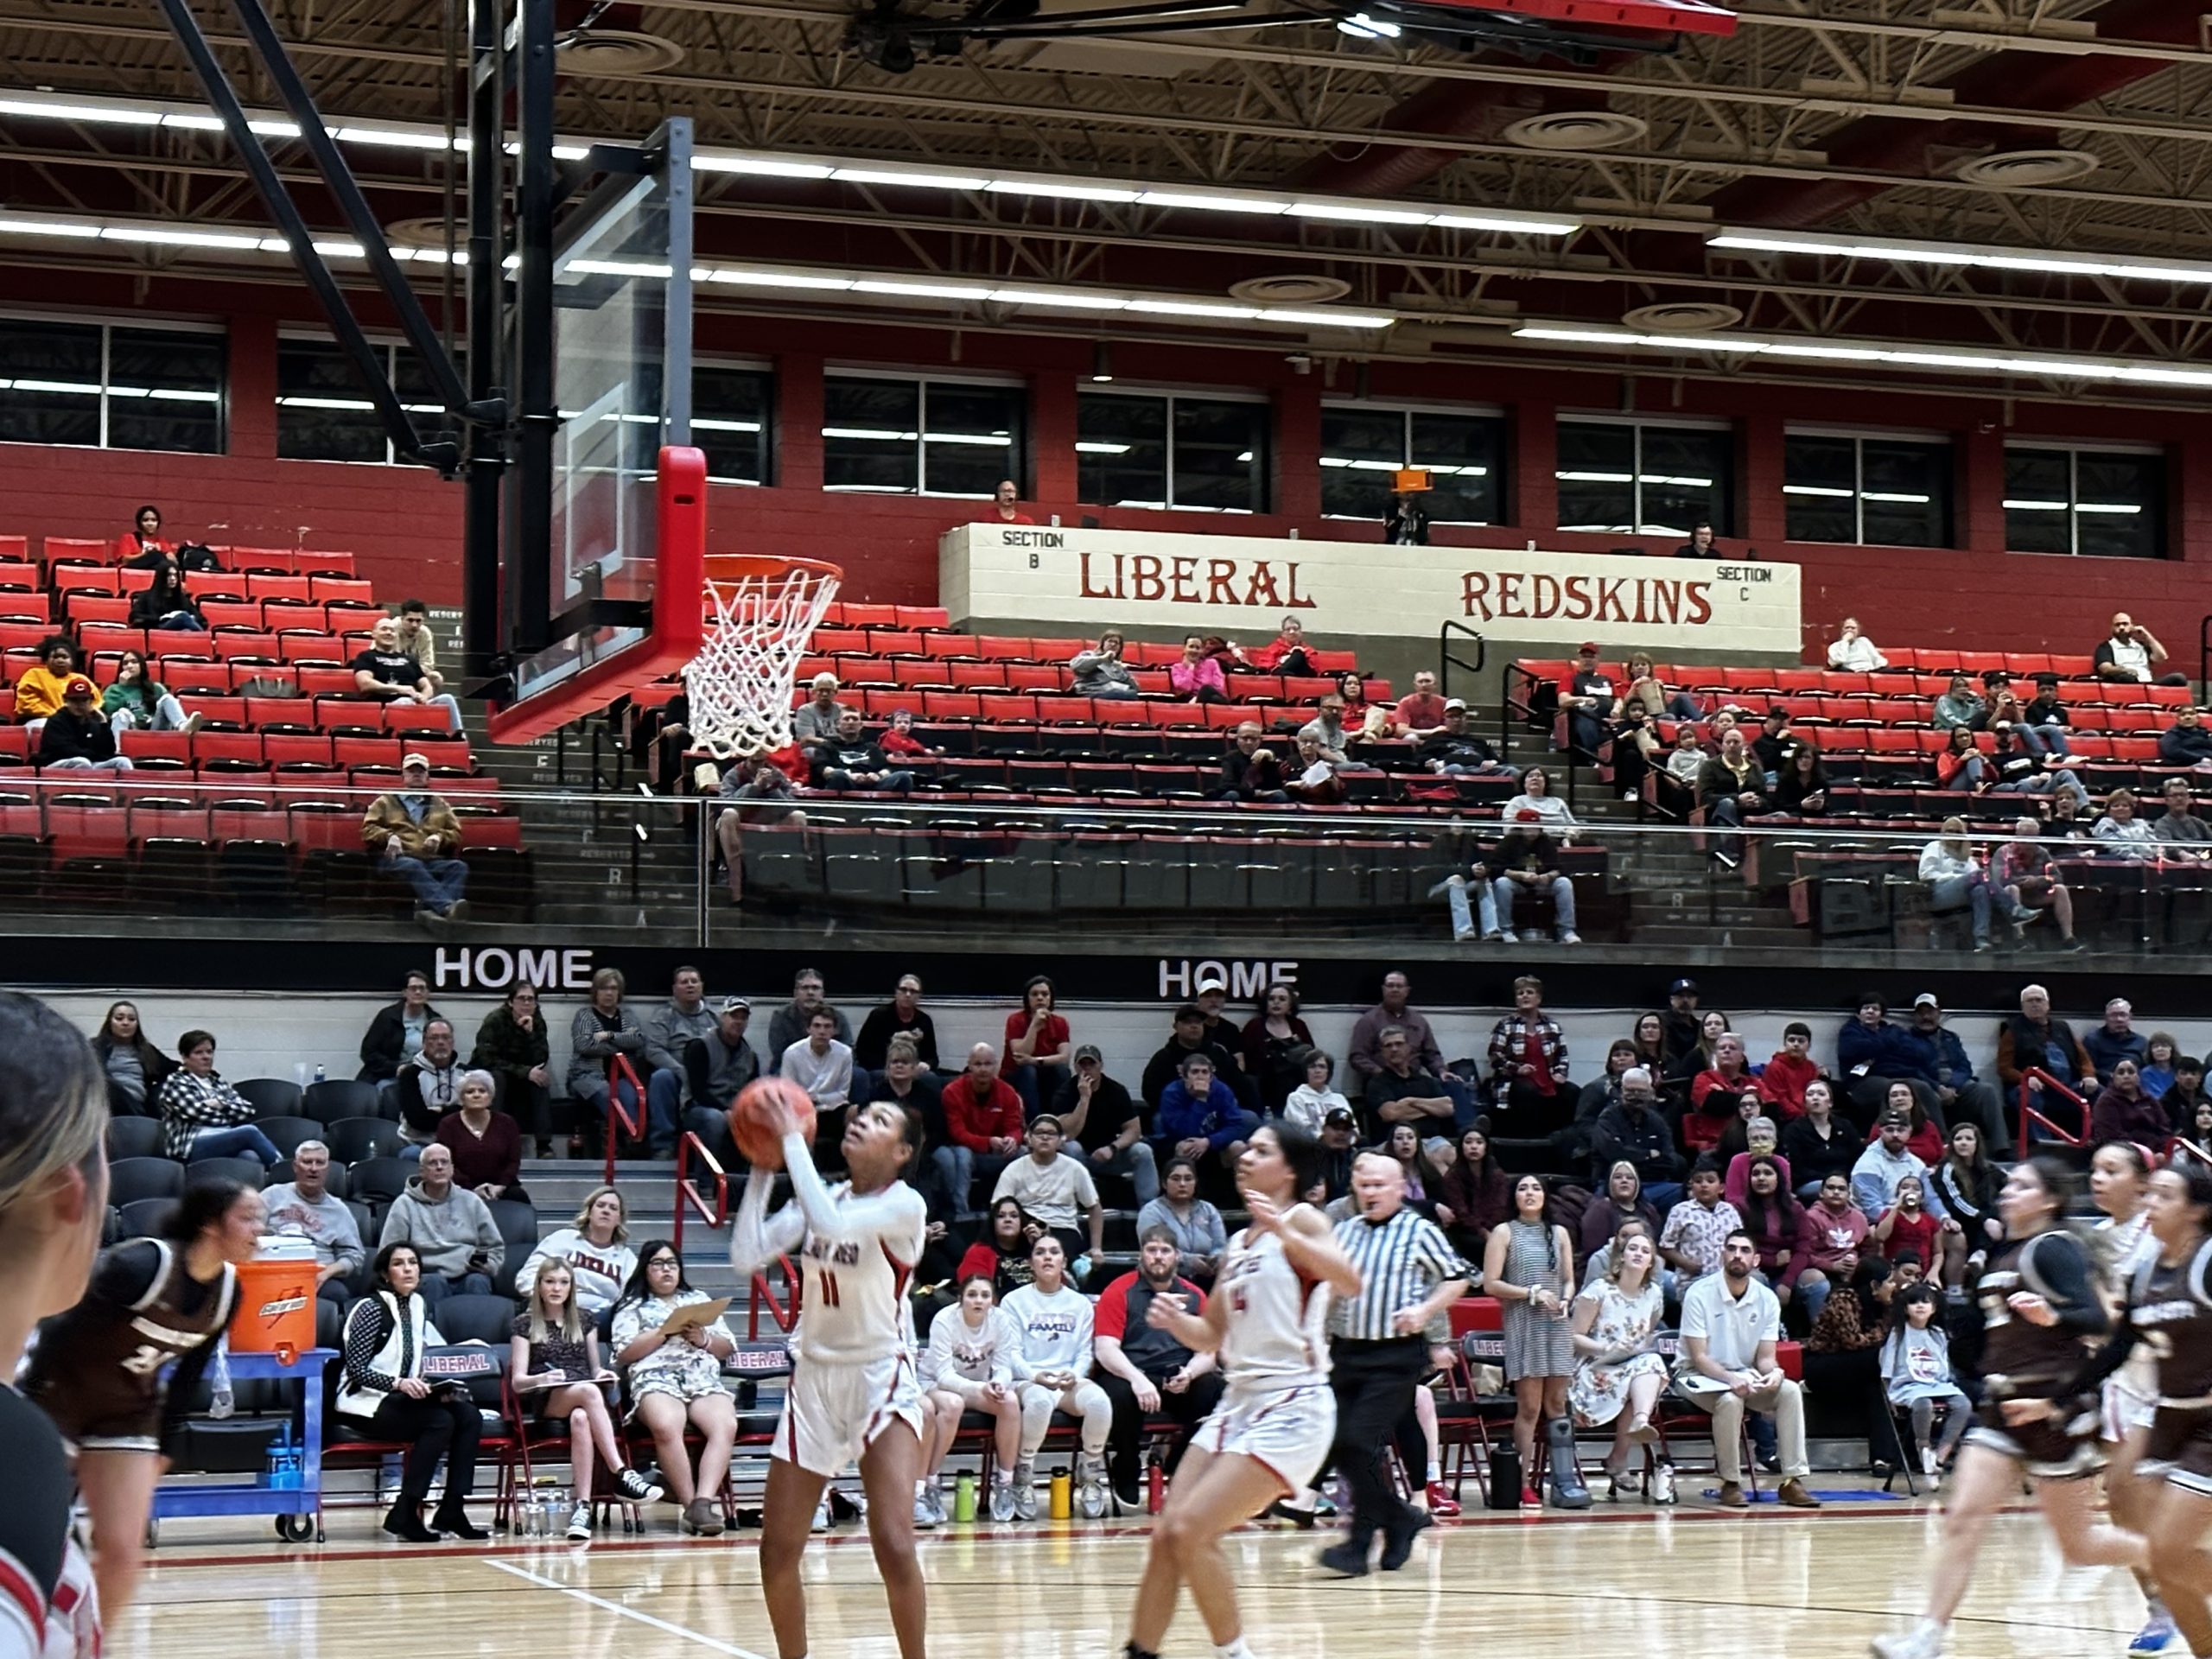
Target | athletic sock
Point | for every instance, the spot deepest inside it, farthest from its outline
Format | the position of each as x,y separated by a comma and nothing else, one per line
1435,1474
1235,1649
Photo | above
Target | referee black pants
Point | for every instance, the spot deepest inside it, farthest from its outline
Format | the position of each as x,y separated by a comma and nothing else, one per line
1374,1383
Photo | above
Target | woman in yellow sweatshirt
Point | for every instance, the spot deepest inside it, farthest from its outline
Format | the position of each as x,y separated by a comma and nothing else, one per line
38,694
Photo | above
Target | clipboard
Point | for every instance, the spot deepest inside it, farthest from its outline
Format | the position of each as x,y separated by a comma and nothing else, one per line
693,1313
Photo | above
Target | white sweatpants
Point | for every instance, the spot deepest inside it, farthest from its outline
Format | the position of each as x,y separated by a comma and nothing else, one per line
1085,1400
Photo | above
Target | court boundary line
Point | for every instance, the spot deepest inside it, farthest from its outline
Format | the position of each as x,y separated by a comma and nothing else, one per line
615,1607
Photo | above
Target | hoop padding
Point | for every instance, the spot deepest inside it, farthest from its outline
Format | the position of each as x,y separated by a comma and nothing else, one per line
761,613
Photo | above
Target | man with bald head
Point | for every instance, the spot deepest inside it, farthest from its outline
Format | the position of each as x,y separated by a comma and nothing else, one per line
983,1125
1378,1349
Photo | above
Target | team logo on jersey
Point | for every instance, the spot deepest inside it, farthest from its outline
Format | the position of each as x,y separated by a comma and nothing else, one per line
837,1253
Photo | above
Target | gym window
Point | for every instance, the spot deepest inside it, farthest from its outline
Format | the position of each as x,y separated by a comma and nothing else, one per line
1362,445
1884,492
324,414
1631,479
1203,454
112,388
920,437
2081,498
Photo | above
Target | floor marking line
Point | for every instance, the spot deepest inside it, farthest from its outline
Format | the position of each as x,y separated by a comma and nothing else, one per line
619,1611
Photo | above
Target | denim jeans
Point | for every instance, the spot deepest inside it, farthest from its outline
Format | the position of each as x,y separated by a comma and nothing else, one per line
1497,904
1953,892
1814,1297
2044,739
663,1112
169,717
439,883
114,764
956,1164
243,1139
436,1287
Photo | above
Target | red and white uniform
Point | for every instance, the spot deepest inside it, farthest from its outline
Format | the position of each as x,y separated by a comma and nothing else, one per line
1277,1407
853,1371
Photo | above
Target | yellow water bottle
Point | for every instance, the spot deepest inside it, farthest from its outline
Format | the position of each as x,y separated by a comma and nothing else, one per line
963,1498
1063,1495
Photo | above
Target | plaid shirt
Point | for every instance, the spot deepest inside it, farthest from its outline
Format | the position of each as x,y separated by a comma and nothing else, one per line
190,1102
1508,1046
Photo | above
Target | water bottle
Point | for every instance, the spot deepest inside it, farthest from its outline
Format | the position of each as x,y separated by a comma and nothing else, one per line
1063,1498
221,1403
963,1498
283,1470
318,1074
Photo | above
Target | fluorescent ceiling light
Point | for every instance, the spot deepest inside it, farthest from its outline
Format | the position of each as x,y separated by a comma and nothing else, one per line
1887,495
1102,449
2055,262
1361,27
2035,506
1069,192
2106,506
762,166
1352,214
920,181
1815,489
1205,202
706,424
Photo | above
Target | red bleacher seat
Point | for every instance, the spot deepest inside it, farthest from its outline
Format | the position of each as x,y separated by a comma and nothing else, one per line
16,547
896,642
923,616
314,648
224,710
144,746
82,607
960,645
1002,647
279,711
57,548
377,752
853,614
1009,709
168,821
231,613
345,589
952,705
329,682
262,585
414,717
296,749
1038,677
976,676
112,636
831,642
238,644
236,748
19,577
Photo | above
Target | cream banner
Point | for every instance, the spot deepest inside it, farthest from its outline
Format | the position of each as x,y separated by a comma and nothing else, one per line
1241,587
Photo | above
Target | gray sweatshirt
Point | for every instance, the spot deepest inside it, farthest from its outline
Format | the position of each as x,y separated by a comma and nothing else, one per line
325,1220
445,1232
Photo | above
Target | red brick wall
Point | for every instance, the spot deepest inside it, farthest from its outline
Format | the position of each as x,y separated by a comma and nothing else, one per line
403,524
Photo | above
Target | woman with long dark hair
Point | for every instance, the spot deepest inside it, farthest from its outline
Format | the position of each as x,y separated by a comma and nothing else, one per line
98,1369
1772,1216
1001,1254
1270,1045
1037,1046
136,1069
676,1382
1475,1195
135,700
1529,1266
1965,1184
163,603
510,1044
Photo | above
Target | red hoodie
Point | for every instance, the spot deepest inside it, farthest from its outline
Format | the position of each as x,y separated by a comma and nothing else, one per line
974,1122
1783,1082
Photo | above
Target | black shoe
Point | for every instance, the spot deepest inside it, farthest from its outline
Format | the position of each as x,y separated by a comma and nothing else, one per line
454,1520
402,1522
1302,1519
1130,1502
1398,1541
1349,1558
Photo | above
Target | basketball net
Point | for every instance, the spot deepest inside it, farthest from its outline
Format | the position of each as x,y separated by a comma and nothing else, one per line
761,613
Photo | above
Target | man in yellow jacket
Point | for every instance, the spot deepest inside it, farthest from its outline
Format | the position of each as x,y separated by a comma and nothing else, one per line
413,834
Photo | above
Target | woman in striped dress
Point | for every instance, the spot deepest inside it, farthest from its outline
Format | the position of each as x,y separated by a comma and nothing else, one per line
1530,1266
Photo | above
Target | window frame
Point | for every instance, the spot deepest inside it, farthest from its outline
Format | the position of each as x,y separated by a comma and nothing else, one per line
767,433
1168,396
1018,467
1859,437
388,347
1724,486
107,327
1407,411
2074,449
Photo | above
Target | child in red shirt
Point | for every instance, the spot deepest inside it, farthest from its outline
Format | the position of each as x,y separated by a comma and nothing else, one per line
1907,1226
1783,1080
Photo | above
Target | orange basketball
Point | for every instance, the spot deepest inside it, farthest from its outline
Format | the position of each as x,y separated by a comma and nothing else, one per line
751,1124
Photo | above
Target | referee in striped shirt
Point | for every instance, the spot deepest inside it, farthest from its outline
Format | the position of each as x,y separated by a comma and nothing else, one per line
1378,1347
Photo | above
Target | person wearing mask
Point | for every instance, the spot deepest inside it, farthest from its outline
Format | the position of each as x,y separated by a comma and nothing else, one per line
53,1201
383,1395
135,1067
456,1244
596,1246
304,1208
1096,1111
1143,1369
414,834
77,737
1730,1324
1052,1364
202,1115
670,1029
902,1016
511,1044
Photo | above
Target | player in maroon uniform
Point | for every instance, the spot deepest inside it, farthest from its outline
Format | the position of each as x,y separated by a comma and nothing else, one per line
52,1199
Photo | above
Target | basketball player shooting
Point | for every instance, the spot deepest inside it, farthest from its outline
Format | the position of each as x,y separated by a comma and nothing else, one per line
854,1389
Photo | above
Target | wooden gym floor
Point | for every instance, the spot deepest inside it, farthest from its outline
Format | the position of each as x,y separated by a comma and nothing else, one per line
1629,1583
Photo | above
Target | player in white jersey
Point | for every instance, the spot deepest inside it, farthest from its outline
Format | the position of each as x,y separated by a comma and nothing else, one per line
854,1390
1268,1319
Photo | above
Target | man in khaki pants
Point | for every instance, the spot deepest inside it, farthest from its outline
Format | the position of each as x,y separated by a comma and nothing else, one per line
1730,1323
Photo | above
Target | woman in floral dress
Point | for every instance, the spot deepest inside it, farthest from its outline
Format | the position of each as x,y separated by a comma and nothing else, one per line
1621,1375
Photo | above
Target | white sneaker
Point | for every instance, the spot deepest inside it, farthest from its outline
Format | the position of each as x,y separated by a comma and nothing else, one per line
1463,936
926,1515
1001,1496
1928,1461
1025,1491
1570,936
1506,935
1923,1641
1662,1483
1091,1488
822,1514
580,1525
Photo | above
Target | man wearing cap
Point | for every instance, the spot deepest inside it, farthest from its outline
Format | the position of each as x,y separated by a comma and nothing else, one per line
1941,1064
1052,1187
1339,1130
717,1064
77,736
413,833
1188,1038
1874,1177
1452,750
1096,1111
670,1030
1680,1021
1591,702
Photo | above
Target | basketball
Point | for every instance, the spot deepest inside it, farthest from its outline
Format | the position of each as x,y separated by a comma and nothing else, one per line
751,1123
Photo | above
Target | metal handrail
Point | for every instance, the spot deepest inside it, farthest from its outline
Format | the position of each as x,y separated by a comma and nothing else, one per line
785,1313
1445,661
2034,1074
617,1068
688,1196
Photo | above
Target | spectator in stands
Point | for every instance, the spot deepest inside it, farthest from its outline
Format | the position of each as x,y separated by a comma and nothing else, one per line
1001,1254
2180,834
2124,1111
426,1090
1685,765
1316,783
1188,1036
822,1066
1711,1025
304,1208
2026,879
1192,1224
2129,652
2015,766
135,701
1690,1239
77,737
1526,859
1720,1093
816,721
1472,1195
670,1029
385,672
382,1395
1199,1118
1910,1226
2116,1039
1700,545
1774,746
676,1382
716,1067
2188,742
1592,702
902,1016
135,1067
910,1085
1682,1022
2184,1100
1144,1371
1731,789
1965,1185
1925,1141
851,759
2157,1070
1884,1162
1831,1233
1454,750
1944,1068
1097,1112
141,546
1783,1079
594,1246
203,1116
486,1147
553,1363
1730,1324
1637,751
450,1228
2121,833
1645,686
1620,1376
1529,1068
1405,523
1269,1046
1420,712
414,834
510,1044
1620,1199
1952,869
2036,1037
1405,1091
1052,1365
968,1366
162,603
416,640
1308,1106
1327,729
1604,1089
1960,708
1394,1009
39,692
1100,671
1036,1046
1197,676
1633,1131
598,1032
1053,1188
1536,798
1853,651
982,1116
395,1034
1250,772
1006,506
1284,654
789,1024
1802,787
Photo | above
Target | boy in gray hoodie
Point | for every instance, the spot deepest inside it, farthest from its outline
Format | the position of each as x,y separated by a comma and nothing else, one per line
451,1229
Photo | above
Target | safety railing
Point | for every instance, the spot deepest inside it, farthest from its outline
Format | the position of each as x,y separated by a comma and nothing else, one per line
1447,660
618,1072
2029,1114
782,1310
688,1197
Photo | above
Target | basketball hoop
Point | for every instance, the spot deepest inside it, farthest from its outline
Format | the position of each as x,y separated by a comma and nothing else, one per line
760,612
